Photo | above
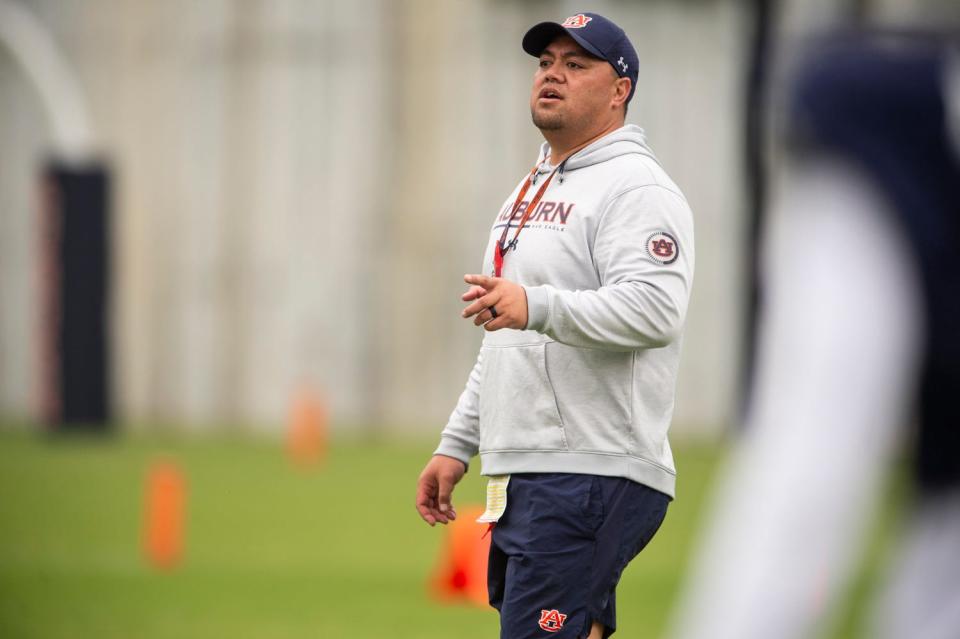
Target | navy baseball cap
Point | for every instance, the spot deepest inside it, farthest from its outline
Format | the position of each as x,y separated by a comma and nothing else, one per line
599,36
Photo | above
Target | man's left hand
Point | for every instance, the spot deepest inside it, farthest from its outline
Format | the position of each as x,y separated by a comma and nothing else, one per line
503,305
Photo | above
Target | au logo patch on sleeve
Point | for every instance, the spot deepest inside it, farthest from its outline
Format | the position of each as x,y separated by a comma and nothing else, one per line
663,248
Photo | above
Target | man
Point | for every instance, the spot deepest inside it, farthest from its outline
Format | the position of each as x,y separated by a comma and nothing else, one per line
589,265
859,333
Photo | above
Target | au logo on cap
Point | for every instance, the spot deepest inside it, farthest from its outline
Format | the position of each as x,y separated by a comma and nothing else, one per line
576,22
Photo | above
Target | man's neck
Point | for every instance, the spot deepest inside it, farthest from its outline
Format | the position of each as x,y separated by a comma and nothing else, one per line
564,143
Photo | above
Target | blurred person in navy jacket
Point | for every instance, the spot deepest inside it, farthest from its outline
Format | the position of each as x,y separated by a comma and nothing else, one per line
858,352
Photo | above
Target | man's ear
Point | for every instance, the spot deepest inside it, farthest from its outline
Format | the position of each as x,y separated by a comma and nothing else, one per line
622,91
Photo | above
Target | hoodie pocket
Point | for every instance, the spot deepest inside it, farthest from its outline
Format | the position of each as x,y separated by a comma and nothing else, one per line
518,408
594,391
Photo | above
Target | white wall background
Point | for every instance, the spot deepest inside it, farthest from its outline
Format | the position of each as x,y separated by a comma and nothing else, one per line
301,184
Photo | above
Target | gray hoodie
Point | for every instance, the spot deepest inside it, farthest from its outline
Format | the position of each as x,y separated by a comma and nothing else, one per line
606,260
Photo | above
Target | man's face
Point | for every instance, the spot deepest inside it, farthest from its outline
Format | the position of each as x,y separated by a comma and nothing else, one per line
571,88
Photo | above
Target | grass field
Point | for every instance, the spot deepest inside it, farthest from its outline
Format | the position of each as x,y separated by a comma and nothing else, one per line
272,550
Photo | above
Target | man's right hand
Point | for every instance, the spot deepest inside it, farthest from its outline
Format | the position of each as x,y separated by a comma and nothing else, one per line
435,486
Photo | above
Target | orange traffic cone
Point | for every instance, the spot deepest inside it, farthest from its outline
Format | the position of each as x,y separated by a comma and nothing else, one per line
165,504
461,573
307,429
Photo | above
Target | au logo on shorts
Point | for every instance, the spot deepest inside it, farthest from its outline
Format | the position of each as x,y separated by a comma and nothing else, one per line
552,620
663,248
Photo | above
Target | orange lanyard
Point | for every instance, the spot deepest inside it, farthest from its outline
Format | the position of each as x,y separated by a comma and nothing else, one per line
502,246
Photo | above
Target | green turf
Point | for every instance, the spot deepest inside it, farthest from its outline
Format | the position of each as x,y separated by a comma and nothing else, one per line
273,551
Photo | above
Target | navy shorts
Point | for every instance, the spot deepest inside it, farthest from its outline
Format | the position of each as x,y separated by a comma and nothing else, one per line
558,551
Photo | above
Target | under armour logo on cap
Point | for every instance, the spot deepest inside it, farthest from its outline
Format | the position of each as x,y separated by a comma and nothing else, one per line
623,65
